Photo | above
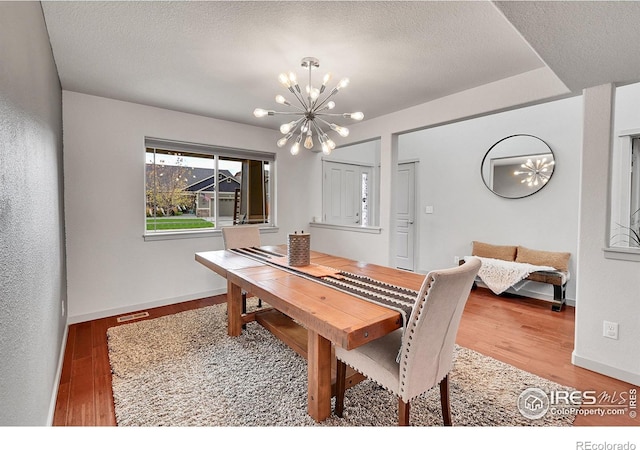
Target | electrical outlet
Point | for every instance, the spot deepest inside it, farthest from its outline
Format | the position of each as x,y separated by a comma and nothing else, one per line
456,260
610,329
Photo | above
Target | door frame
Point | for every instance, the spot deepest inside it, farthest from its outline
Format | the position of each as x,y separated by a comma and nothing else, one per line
416,221
359,169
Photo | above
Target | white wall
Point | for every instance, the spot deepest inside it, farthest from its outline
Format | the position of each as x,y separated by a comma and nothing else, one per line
449,179
111,269
32,258
523,89
607,289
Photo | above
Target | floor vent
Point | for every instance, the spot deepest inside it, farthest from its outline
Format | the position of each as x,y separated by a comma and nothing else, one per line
133,316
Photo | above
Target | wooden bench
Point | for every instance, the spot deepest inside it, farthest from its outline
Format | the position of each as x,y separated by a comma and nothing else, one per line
510,253
553,278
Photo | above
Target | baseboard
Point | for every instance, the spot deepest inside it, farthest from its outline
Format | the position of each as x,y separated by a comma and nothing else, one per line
56,382
140,306
605,369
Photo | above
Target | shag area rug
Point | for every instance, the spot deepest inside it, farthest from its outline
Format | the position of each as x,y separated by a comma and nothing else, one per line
183,370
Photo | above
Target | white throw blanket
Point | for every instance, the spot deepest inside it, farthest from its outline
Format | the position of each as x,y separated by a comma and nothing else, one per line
500,275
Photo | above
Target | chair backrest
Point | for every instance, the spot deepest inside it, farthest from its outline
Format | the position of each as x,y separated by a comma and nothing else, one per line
429,338
241,236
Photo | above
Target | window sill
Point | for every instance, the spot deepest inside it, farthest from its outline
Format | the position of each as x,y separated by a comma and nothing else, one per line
191,234
622,253
354,228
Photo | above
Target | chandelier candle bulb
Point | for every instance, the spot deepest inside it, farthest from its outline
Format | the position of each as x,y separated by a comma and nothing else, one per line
284,79
281,100
294,80
259,112
299,249
282,142
308,142
326,80
285,128
295,148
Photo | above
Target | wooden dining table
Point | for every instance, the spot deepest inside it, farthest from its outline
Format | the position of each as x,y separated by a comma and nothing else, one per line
329,316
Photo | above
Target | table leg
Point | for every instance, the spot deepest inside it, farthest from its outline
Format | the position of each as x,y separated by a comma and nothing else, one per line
234,309
319,376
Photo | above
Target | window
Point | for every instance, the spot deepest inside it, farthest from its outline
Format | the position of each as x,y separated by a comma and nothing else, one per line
625,207
635,190
199,188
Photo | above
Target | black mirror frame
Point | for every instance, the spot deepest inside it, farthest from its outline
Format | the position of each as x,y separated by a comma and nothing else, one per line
498,142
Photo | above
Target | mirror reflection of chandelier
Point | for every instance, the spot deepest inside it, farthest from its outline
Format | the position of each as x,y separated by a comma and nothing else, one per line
535,173
312,111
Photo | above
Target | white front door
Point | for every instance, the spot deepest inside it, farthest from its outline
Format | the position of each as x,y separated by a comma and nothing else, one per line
346,194
405,216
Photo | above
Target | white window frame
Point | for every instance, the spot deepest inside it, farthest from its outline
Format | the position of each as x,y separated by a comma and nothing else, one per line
620,206
216,152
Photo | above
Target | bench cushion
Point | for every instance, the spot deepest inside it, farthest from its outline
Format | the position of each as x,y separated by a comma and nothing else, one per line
504,252
557,260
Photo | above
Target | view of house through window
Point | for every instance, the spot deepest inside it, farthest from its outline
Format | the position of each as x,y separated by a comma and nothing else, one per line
204,189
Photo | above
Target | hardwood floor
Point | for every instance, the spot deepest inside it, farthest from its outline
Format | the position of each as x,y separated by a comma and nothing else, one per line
522,332
84,395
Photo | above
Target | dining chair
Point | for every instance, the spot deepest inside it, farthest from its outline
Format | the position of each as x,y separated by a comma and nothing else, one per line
242,236
410,361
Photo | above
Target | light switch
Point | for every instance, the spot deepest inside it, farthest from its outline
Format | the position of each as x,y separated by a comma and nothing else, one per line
428,209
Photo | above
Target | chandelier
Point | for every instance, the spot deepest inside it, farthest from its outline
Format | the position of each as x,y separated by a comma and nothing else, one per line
312,109
536,173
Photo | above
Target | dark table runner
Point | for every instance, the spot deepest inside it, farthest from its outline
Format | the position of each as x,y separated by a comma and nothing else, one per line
384,294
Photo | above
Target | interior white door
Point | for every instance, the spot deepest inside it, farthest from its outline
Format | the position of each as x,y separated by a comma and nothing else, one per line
405,216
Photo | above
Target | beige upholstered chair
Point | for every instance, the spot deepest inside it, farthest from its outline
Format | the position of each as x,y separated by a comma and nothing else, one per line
426,346
242,236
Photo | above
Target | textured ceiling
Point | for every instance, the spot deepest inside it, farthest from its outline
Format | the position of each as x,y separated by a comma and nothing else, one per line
585,43
221,58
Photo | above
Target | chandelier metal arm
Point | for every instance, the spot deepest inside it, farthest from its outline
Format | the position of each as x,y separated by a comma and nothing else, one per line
296,126
319,130
300,110
285,113
324,121
310,104
321,135
330,114
316,107
298,97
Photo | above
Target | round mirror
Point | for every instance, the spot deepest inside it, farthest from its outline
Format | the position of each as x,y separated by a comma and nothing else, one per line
517,166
